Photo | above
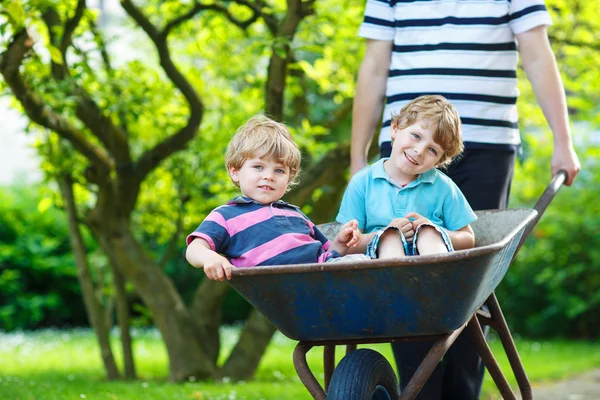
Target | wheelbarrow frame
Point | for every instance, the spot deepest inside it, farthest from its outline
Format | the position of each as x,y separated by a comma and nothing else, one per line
493,317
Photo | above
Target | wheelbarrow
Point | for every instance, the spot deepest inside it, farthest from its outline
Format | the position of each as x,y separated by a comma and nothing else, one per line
431,297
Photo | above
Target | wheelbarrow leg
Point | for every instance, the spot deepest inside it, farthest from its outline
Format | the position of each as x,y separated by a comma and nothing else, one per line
490,362
431,360
328,363
304,373
499,324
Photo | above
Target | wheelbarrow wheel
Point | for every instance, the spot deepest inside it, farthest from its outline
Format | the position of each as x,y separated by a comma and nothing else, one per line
363,374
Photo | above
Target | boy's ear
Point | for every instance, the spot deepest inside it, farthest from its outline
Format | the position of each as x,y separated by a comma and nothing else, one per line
393,129
234,174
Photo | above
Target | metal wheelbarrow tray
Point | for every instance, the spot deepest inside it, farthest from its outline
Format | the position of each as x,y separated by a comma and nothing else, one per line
413,298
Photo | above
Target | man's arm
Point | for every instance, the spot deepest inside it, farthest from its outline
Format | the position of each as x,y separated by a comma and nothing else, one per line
540,65
368,100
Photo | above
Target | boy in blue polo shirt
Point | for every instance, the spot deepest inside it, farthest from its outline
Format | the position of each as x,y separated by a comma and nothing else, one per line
404,199
258,228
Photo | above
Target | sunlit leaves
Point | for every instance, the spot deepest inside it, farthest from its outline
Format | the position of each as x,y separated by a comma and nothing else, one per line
560,261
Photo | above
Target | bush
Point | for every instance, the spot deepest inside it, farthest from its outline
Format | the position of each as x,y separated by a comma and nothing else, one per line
38,277
553,287
38,281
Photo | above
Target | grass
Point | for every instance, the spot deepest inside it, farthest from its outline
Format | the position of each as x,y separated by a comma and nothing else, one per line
65,365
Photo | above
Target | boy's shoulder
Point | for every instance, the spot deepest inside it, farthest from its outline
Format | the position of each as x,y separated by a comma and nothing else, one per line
439,175
444,179
371,171
243,204
235,207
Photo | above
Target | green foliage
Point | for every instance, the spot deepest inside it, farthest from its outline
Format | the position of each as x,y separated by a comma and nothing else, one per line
553,288
227,66
38,282
65,365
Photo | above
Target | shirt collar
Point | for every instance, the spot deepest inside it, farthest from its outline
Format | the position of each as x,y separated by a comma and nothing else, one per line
425,177
248,200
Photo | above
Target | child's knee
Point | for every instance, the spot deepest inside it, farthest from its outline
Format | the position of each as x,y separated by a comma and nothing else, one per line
390,245
430,241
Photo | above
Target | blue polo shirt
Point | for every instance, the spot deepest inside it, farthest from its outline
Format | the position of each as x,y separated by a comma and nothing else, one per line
373,200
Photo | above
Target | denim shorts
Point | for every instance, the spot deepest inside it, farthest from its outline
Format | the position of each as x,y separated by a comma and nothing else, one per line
409,247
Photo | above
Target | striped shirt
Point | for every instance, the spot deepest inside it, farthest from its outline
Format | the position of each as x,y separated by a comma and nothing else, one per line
251,234
464,50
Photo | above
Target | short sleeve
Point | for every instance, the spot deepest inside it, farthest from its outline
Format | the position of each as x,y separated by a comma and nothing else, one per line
528,14
353,203
456,209
214,230
378,22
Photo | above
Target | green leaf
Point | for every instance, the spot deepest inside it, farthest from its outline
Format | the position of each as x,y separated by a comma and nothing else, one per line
16,14
55,54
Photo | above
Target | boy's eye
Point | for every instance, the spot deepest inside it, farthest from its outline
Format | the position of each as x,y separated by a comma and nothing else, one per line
416,136
258,167
280,171
433,151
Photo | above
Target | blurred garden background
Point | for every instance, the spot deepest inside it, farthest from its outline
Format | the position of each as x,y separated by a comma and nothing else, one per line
126,109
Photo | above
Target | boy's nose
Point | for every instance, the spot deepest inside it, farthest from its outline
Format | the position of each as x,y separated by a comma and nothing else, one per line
268,175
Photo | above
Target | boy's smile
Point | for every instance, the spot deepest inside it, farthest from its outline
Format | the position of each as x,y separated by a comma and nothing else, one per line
264,181
413,152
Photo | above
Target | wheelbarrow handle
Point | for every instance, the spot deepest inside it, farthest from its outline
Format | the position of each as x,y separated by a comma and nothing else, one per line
544,201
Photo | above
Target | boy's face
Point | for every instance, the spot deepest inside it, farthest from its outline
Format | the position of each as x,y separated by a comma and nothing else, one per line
413,152
263,180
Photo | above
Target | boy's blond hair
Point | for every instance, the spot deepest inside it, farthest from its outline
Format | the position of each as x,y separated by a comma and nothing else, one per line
263,137
441,113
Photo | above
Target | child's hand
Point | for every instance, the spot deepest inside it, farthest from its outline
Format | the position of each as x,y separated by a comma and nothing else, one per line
217,267
349,234
418,220
405,226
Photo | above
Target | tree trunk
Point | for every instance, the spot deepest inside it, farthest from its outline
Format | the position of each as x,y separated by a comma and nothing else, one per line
245,356
206,310
176,325
123,320
92,305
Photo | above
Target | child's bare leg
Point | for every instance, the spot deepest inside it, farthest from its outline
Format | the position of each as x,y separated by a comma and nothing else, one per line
430,241
390,245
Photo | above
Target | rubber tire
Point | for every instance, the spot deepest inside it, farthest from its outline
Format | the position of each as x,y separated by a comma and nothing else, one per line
363,374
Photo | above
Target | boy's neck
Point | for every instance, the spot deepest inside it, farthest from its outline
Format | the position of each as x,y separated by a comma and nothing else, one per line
258,202
398,179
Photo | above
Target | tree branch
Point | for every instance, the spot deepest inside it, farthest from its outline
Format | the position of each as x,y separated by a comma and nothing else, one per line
40,113
307,7
71,25
110,72
152,157
113,139
258,8
215,7
575,43
172,247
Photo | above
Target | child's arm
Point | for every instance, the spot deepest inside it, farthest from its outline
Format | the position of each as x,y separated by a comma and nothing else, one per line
199,255
348,237
463,238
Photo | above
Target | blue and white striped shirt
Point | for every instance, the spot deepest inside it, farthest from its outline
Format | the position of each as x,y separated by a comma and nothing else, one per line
464,50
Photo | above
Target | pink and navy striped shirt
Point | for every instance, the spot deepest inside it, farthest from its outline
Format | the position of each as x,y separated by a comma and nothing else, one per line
250,234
